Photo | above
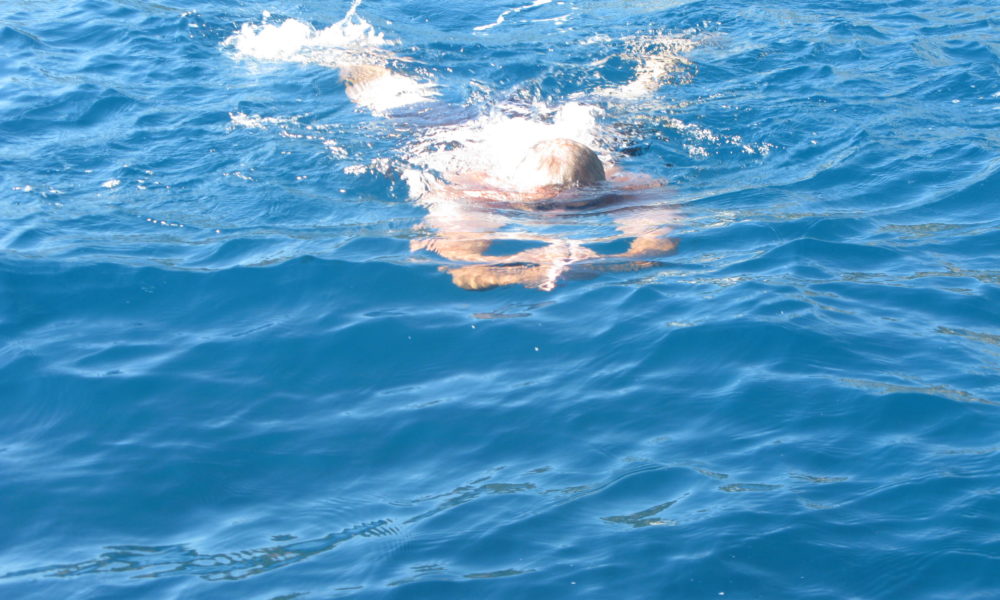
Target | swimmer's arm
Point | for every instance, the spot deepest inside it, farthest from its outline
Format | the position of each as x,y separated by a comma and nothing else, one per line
649,246
650,227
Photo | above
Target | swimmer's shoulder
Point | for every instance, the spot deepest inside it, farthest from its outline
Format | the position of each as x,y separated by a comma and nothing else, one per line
628,181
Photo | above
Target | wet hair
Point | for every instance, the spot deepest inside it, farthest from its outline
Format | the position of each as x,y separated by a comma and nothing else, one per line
560,163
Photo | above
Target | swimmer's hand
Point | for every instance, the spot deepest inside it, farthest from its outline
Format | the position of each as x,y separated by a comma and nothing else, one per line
537,268
540,268
557,253
486,277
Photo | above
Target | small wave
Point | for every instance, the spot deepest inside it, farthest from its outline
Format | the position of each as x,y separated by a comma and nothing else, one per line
659,59
179,559
503,16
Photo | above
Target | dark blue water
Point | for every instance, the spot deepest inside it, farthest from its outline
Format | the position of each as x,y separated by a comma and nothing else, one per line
224,374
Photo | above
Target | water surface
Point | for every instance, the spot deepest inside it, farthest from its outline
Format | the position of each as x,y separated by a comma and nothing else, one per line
225,374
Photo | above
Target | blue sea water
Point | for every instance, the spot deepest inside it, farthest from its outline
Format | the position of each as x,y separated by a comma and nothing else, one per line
224,374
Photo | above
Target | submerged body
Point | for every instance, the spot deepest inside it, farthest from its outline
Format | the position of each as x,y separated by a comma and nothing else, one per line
558,177
554,176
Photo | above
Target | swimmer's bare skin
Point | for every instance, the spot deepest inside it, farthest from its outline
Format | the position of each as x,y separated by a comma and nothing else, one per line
485,277
357,77
548,170
533,268
465,233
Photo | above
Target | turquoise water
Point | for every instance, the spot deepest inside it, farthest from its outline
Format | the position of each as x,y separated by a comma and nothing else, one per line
225,375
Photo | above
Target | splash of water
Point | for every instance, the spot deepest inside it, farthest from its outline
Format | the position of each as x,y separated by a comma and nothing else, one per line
295,41
350,45
493,145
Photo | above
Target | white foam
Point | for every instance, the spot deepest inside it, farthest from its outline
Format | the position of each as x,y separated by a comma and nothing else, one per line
258,122
352,41
503,16
295,41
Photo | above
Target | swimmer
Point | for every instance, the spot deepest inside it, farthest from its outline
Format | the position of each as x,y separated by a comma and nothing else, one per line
555,176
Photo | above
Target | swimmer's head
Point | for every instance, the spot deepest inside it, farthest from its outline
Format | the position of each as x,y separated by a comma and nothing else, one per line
558,164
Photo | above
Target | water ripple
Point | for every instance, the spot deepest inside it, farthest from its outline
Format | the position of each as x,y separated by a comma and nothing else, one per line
224,372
